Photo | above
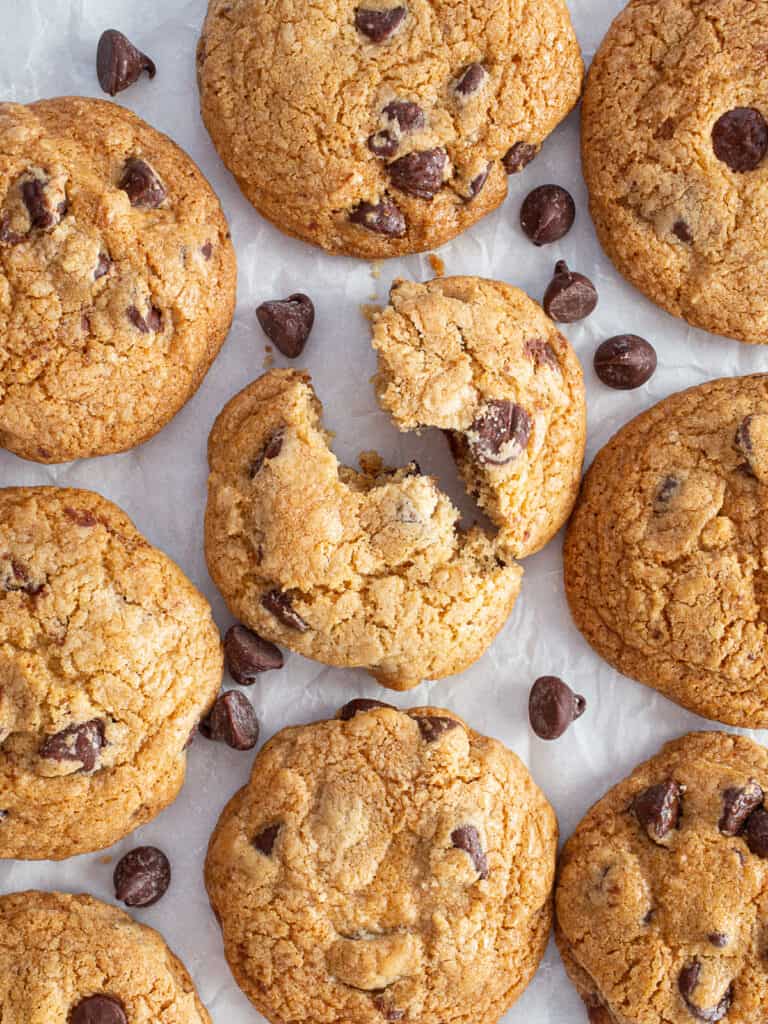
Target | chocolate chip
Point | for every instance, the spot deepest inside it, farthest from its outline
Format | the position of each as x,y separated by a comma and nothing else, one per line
552,706
738,804
569,296
740,138
248,655
383,144
102,266
718,939
658,808
7,236
144,188
547,214
757,833
354,707
467,838
233,720
625,362
265,840
669,487
76,743
477,183
378,25
687,982
518,157
287,322
471,79
407,116
541,352
419,174
271,450
118,62
149,324
43,213
81,517
98,1010
385,218
279,604
743,438
142,876
432,727
387,1011
207,250
500,433
17,579
681,230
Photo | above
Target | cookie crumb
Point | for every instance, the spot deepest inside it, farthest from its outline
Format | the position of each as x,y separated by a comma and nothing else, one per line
437,264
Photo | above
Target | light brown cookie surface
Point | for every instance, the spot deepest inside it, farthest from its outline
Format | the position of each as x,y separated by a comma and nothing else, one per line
377,129
108,659
117,279
391,866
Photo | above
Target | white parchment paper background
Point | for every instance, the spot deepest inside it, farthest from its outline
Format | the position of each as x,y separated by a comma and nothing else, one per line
47,48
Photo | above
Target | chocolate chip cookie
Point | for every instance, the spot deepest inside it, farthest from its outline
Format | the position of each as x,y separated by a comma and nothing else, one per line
74,960
664,557
662,894
384,866
385,127
351,568
117,279
482,361
108,659
674,139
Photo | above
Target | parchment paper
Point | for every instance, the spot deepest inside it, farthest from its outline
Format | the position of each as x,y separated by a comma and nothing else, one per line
47,48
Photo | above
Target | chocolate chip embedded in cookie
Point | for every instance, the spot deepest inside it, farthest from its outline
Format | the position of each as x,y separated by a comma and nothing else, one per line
433,117
419,841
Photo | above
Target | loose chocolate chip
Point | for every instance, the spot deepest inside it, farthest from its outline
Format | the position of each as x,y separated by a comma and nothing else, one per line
248,655
142,876
518,157
419,174
669,487
687,982
658,808
542,353
42,214
569,296
477,183
718,939
467,838
385,218
378,25
102,266
233,720
625,362
287,322
547,214
118,62
144,188
432,727
738,804
149,324
271,450
740,138
471,79
98,1010
76,743
500,433
354,707
265,840
278,603
552,706
757,833
681,230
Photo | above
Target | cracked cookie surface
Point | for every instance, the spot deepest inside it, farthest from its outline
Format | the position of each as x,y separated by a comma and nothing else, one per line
108,658
381,867
117,279
75,960
662,892
664,556
363,569
483,362
674,139
377,129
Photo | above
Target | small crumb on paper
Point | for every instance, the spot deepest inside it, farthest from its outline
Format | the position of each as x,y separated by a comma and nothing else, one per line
437,264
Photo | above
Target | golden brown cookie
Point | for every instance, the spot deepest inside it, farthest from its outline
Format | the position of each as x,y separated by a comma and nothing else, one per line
384,127
117,279
108,659
482,361
662,893
664,557
384,866
674,140
363,569
74,960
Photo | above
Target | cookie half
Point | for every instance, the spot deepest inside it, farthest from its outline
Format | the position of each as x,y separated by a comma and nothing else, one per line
108,659
662,892
383,128
384,866
483,362
117,279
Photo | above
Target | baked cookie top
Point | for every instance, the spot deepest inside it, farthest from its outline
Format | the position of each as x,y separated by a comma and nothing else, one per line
664,557
117,279
390,866
76,960
674,138
379,128
662,890
363,569
108,658
482,361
